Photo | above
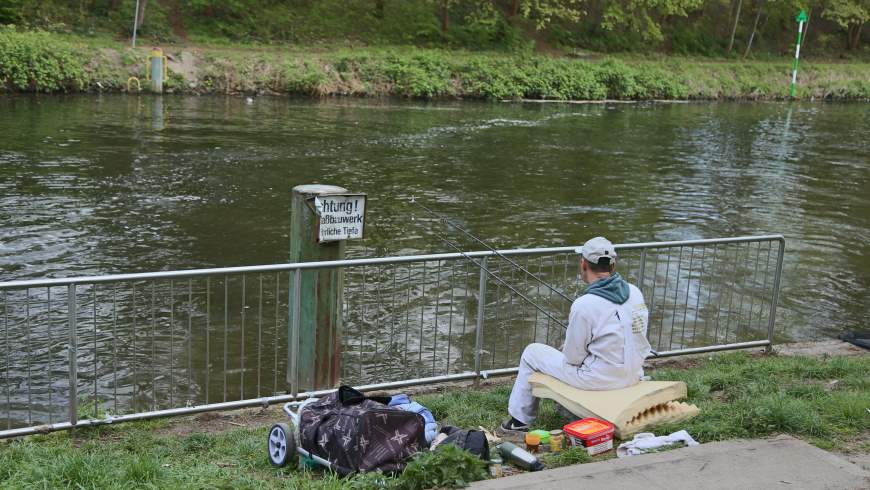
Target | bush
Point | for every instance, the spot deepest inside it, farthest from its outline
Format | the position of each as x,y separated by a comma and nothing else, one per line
422,75
304,78
37,62
448,467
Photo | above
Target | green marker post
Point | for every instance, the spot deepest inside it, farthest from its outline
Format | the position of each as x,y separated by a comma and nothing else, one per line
801,19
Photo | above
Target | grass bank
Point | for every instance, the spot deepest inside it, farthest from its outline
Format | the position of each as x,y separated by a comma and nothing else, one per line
45,62
824,401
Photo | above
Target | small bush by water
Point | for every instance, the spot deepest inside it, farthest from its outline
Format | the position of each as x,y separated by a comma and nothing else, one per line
36,61
822,400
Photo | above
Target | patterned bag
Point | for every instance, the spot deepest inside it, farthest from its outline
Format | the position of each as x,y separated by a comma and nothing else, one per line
359,433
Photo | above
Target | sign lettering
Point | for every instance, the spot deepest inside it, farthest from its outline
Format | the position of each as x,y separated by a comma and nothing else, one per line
342,217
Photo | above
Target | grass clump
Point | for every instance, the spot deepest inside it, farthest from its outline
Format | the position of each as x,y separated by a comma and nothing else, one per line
568,456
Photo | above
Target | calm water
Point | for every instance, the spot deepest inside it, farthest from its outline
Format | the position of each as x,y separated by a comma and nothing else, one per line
122,184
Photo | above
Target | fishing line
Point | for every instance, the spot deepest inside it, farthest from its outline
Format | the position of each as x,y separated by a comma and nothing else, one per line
500,280
444,219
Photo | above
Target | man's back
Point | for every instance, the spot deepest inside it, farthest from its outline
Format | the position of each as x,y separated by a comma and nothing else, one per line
596,340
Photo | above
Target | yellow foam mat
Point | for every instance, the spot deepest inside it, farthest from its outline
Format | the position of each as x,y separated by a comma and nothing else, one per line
630,410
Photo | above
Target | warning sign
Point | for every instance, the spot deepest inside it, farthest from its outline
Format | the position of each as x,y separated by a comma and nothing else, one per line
342,216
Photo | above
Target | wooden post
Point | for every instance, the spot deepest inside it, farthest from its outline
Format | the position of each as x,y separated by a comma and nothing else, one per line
320,296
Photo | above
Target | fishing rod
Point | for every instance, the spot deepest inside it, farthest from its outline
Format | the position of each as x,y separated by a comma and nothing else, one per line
444,219
500,280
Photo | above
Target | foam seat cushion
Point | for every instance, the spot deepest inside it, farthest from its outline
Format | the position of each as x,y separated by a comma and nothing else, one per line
630,409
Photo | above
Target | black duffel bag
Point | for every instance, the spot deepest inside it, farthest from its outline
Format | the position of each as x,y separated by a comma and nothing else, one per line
473,441
358,433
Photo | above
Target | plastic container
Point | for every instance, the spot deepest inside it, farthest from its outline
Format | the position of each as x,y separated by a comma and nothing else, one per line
594,434
543,434
556,439
533,442
495,469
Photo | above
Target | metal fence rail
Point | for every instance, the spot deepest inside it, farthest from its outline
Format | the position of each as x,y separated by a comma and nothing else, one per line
89,350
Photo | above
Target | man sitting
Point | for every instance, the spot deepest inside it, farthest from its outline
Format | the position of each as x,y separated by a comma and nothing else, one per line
605,343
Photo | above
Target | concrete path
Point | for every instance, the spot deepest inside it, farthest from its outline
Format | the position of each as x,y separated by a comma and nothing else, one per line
782,462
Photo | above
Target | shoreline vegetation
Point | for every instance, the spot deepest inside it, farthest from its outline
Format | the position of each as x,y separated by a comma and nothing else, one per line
45,62
822,400
589,50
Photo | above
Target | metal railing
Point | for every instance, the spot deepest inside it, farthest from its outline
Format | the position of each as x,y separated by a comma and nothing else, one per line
92,350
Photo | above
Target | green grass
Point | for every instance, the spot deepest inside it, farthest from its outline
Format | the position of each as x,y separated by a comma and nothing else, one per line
739,397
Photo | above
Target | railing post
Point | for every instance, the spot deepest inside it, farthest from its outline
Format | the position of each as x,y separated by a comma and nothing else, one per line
776,281
73,355
481,311
642,266
294,333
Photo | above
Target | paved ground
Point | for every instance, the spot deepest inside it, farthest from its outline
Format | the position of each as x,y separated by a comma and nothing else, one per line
862,460
780,462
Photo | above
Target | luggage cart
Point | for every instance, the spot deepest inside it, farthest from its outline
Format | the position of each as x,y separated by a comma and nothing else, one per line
283,443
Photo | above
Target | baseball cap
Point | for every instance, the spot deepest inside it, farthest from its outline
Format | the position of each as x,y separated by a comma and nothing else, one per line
596,248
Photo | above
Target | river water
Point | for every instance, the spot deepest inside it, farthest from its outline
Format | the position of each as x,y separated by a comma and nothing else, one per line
112,184
109,184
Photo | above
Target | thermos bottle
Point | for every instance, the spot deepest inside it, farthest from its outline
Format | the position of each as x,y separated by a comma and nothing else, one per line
519,456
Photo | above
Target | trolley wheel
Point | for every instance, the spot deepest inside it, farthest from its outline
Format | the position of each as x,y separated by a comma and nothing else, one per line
281,444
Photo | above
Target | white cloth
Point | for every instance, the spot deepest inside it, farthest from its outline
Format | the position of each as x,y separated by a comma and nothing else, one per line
647,441
604,350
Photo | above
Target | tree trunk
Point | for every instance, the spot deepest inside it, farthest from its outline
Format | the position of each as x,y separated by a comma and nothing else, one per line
379,9
734,27
445,16
515,8
754,30
854,36
141,16
858,36
806,28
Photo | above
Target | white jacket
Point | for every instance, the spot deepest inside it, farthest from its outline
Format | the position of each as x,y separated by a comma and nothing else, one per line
607,342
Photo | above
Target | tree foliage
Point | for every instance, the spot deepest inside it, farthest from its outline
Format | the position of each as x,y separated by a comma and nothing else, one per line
644,16
10,11
851,15
707,27
544,12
